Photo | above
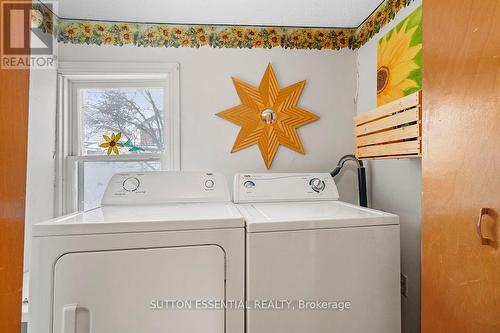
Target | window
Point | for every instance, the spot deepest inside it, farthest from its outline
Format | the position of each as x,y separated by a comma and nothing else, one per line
113,118
135,112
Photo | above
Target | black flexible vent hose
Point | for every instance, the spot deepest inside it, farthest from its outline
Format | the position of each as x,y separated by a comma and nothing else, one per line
363,201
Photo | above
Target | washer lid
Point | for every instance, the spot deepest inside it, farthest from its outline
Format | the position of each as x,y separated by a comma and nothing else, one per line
311,215
119,219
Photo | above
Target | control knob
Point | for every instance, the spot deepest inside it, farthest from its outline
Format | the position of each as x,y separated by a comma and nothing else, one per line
248,184
131,184
317,184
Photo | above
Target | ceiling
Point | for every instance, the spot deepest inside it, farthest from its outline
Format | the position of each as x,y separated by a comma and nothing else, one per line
314,13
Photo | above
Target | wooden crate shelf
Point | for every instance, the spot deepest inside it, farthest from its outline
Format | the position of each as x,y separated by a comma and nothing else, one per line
393,130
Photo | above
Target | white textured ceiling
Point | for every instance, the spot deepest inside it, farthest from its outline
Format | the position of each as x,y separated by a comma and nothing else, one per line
325,13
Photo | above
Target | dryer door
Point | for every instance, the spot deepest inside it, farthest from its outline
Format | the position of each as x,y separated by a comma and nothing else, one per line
125,291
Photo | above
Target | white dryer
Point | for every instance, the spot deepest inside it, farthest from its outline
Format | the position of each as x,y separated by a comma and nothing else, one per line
327,265
158,238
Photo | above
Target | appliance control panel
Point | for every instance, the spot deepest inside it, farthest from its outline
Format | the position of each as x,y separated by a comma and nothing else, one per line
272,187
160,187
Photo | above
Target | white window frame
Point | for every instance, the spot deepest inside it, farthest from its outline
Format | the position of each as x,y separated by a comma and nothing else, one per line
75,75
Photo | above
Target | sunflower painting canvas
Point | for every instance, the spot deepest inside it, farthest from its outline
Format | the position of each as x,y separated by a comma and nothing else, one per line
399,62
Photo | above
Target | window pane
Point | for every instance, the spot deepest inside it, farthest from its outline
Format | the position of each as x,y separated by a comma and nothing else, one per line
96,175
136,113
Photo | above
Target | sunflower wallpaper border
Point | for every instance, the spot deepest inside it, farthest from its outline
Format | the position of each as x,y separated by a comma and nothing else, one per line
76,31
377,20
162,35
399,60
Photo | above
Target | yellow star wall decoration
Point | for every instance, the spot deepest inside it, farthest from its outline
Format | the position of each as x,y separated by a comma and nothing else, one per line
268,116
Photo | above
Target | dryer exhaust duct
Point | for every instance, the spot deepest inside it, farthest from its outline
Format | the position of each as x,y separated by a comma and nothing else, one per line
363,201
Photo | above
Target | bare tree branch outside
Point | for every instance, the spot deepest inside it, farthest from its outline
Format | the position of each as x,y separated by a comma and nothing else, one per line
136,113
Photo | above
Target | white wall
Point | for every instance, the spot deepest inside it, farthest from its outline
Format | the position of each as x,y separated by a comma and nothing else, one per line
206,88
41,147
395,184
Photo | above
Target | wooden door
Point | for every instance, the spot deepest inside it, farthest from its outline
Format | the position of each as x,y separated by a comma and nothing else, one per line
14,94
461,166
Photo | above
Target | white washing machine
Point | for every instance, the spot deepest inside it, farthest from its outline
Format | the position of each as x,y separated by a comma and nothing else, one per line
315,264
158,237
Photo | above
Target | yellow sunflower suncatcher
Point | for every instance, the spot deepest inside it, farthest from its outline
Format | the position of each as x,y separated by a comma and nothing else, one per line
399,62
111,143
